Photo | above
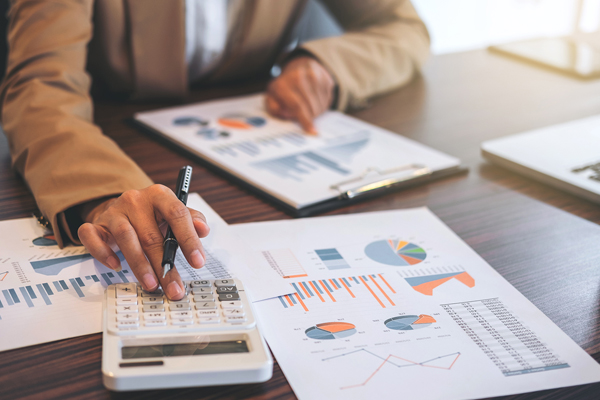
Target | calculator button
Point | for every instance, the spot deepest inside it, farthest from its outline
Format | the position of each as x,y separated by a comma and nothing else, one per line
234,319
195,284
206,305
185,300
207,313
155,316
126,309
234,312
155,323
229,296
201,290
182,321
231,304
128,301
156,293
152,300
154,308
126,290
224,282
209,320
226,289
128,324
179,306
181,314
203,297
128,317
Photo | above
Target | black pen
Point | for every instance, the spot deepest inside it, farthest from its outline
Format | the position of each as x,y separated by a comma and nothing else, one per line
170,244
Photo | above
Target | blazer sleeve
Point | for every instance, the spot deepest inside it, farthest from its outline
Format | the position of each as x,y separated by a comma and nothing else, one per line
385,43
47,112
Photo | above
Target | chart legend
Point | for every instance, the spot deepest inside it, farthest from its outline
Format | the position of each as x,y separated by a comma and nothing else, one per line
395,252
332,259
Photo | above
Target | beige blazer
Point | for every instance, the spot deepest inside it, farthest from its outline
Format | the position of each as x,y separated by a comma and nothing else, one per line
137,47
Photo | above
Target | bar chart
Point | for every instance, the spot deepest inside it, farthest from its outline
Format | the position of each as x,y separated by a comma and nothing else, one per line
426,280
256,146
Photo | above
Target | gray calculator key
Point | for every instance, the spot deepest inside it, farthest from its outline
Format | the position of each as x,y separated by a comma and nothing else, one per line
156,293
229,296
205,283
201,290
154,307
224,282
179,306
226,289
152,300
203,297
182,301
207,305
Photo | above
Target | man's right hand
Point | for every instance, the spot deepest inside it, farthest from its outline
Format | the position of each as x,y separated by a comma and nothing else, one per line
136,222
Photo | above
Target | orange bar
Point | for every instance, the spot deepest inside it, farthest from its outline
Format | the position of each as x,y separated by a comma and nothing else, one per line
289,301
381,290
347,288
304,289
295,276
327,291
388,285
316,291
370,290
301,302
333,285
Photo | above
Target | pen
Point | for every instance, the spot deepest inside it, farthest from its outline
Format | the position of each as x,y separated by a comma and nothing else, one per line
170,244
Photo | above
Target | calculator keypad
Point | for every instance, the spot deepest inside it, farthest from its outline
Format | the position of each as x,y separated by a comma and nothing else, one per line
207,304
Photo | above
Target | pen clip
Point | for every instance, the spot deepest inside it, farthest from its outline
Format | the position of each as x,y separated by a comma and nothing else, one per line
418,171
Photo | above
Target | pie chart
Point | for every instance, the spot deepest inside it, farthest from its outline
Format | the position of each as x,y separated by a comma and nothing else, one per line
395,252
330,330
409,322
240,121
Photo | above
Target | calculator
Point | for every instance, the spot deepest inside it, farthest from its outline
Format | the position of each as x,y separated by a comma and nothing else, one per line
207,338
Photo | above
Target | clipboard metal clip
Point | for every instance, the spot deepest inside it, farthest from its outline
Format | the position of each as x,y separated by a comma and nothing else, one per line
346,192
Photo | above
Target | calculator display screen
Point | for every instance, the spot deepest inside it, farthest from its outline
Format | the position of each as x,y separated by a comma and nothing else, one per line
184,349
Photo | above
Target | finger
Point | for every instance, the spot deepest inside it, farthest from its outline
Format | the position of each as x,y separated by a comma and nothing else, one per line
126,238
274,107
180,220
296,107
305,88
200,224
91,237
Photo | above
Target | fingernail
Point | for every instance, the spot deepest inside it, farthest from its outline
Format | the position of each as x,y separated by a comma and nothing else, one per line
114,263
312,131
197,259
174,290
150,282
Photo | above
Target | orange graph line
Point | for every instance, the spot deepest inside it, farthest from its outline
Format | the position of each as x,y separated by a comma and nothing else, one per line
384,293
295,276
316,291
333,285
428,366
288,300
301,302
388,285
372,375
371,290
347,288
5,274
304,289
327,291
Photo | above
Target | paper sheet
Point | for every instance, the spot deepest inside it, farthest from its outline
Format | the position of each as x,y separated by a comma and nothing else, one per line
277,157
48,294
392,305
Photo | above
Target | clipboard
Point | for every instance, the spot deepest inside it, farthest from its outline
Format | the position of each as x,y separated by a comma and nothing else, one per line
348,162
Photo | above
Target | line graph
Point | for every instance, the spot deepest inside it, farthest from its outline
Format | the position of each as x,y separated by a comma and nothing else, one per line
3,275
445,362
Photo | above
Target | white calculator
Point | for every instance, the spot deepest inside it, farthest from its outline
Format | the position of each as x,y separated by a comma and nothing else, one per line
208,338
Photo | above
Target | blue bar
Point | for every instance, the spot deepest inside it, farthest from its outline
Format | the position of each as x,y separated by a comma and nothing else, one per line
31,292
291,296
356,280
14,296
122,276
1,305
106,279
125,271
280,299
298,291
95,278
110,275
336,283
48,290
88,278
366,278
26,296
63,284
327,285
44,295
347,283
79,281
57,286
76,287
373,276
317,286
7,297
307,288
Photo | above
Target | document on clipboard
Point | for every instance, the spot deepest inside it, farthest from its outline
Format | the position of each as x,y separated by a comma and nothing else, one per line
347,161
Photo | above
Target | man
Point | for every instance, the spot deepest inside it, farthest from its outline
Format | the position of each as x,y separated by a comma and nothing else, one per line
85,185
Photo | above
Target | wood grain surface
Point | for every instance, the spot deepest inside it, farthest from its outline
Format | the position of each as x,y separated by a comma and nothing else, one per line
543,241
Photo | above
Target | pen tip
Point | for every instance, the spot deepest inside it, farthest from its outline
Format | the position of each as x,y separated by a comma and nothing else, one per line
166,268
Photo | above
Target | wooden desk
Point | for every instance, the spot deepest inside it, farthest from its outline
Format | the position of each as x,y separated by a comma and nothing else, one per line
530,233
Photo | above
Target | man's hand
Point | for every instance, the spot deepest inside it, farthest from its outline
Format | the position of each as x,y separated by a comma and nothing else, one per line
136,222
302,92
